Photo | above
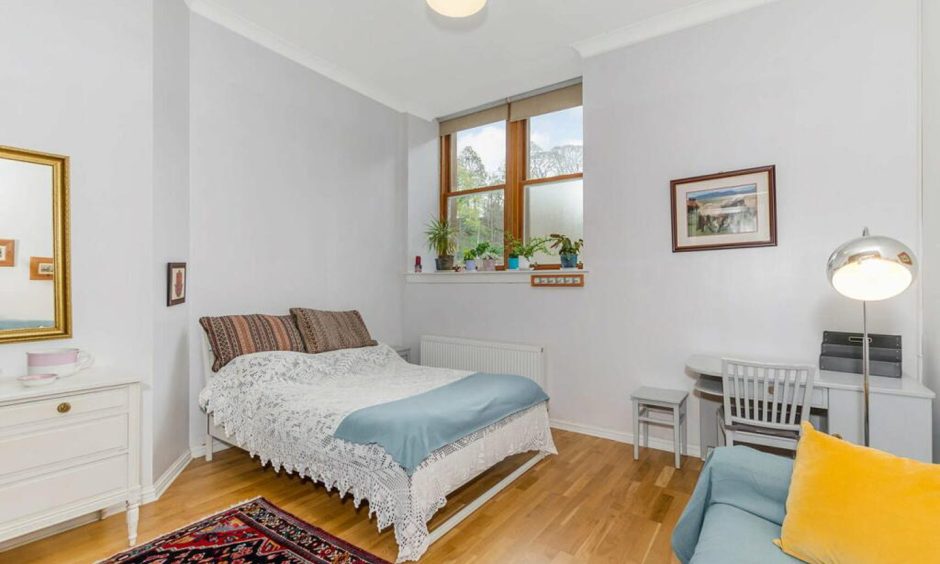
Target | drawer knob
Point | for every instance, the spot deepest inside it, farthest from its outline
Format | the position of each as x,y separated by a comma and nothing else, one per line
64,407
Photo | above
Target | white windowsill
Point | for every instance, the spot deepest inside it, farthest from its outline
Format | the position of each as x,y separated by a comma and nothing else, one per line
490,277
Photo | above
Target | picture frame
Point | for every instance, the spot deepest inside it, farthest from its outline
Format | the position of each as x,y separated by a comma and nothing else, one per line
726,210
7,252
175,283
41,268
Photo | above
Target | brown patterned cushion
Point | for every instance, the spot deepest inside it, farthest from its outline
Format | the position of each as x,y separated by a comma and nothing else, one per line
324,331
234,335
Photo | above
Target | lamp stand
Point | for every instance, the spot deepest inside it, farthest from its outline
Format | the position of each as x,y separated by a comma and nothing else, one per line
865,364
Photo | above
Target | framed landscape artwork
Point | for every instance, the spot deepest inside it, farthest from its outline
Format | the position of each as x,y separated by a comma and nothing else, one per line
727,210
7,252
41,268
175,283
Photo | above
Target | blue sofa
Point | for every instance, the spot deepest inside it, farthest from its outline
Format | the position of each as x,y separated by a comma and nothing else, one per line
736,510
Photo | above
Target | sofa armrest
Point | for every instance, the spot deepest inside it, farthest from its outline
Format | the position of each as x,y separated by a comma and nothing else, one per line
739,476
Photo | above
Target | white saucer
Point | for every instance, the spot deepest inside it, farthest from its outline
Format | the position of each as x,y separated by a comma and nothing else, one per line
34,380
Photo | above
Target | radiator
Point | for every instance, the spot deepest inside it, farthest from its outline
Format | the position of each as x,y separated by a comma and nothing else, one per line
483,356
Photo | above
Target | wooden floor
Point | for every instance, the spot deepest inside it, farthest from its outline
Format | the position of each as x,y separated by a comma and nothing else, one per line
591,503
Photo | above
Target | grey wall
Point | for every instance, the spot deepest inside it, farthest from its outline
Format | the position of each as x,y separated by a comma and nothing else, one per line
170,413
827,91
931,254
297,192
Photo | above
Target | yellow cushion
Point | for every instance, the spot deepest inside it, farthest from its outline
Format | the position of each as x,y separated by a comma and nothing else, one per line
849,503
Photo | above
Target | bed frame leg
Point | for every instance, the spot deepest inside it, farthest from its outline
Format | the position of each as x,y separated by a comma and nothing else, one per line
208,441
489,494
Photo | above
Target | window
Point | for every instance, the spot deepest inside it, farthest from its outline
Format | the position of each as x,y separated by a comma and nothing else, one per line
554,185
474,201
515,169
481,156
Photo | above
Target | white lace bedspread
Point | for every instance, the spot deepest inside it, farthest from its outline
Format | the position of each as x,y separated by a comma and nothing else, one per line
284,407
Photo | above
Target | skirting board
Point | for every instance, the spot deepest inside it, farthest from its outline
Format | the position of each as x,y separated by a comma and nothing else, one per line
153,492
619,436
49,531
198,451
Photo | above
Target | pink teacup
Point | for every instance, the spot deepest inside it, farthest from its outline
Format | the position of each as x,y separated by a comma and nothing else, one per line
62,362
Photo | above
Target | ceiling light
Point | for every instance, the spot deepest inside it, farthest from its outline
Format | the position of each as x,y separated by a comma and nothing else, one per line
456,8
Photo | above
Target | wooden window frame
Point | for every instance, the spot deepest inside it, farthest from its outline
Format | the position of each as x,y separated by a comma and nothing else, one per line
517,170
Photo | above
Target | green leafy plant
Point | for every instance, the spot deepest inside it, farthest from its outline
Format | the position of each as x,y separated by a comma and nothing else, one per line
470,254
513,245
441,237
519,248
491,254
564,245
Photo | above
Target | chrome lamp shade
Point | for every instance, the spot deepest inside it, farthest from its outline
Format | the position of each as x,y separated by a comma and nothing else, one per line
870,269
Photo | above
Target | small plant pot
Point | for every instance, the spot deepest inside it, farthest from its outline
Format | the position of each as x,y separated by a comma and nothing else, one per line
569,260
444,262
524,263
489,265
470,265
513,263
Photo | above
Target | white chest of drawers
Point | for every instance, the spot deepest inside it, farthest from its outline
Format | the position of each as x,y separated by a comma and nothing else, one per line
68,449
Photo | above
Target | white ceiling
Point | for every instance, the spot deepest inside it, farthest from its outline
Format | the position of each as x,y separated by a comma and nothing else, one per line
404,55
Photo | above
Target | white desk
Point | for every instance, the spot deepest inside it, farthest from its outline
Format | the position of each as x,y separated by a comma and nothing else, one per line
900,420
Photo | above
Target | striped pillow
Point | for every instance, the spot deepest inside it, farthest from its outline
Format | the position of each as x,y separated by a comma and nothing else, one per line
231,336
324,331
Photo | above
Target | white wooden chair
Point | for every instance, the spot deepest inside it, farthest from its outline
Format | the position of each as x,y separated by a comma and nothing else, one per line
764,403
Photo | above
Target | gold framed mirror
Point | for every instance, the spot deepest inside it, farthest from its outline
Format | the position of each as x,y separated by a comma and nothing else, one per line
35,294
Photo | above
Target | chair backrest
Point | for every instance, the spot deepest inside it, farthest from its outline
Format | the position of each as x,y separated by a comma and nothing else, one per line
775,396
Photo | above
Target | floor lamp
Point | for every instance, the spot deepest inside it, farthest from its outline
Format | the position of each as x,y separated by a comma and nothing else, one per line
870,269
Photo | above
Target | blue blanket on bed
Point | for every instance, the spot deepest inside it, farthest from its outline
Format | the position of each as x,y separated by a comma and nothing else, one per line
410,429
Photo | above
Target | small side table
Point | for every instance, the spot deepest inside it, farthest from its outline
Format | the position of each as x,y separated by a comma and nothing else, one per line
404,352
648,400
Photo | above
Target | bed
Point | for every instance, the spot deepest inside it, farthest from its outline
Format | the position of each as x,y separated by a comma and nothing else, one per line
284,407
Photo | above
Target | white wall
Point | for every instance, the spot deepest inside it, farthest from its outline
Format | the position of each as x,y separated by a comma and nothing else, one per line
26,218
931,255
297,192
826,91
76,79
170,413
423,203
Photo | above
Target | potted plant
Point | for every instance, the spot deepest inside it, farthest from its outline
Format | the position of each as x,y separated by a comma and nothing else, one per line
469,260
513,246
521,253
567,249
489,255
441,240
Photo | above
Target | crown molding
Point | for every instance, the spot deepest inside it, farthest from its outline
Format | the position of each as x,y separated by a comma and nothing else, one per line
663,24
267,38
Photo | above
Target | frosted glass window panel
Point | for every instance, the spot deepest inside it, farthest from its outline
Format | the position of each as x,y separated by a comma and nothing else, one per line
554,207
556,144
478,217
480,156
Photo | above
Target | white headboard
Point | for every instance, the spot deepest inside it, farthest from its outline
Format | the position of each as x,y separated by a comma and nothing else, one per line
207,359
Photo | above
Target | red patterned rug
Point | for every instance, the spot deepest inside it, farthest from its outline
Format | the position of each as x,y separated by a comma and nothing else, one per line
254,532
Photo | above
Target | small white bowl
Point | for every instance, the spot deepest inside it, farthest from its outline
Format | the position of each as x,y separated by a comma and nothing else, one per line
33,380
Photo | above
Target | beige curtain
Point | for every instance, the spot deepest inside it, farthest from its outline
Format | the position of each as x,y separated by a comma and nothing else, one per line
476,119
556,100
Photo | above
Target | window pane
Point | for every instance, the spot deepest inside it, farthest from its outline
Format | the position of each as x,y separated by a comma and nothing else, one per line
481,156
477,217
554,207
556,143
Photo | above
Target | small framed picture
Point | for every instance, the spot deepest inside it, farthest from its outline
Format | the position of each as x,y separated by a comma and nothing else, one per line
175,283
7,252
41,268
727,210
